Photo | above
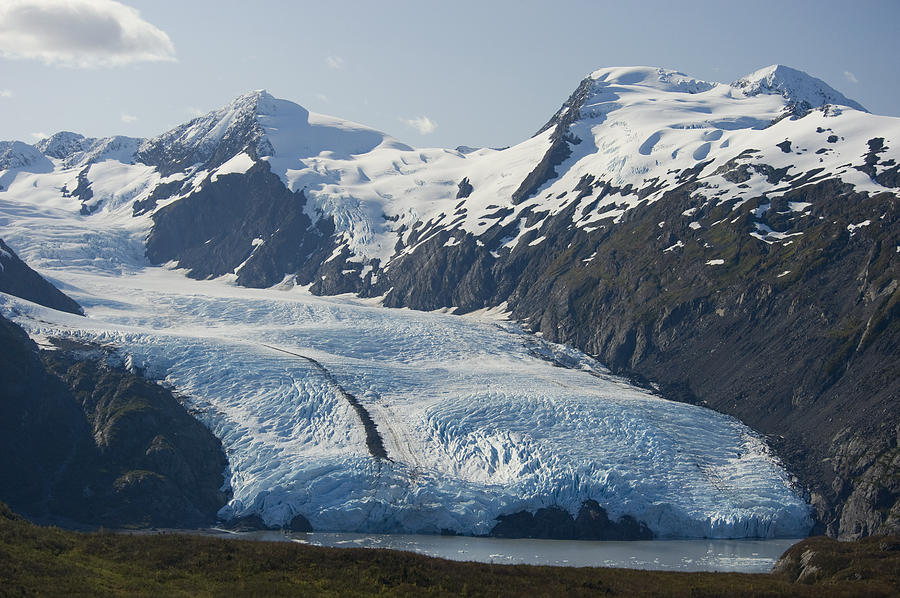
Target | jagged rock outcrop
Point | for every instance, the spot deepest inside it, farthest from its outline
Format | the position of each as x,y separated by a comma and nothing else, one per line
209,140
253,523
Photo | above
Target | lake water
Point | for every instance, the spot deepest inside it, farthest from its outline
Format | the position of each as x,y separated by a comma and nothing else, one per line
748,556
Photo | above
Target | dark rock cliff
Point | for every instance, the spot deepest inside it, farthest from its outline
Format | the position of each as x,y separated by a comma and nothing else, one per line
89,443
249,224
561,141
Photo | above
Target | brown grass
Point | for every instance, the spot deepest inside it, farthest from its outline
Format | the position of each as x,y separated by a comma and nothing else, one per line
40,561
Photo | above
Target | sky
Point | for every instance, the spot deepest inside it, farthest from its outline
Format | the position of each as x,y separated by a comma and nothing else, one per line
433,74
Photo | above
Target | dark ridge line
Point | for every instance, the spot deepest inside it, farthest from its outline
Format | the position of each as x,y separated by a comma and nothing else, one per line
374,442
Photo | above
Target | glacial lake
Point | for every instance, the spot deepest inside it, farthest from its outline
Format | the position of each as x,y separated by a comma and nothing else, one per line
746,556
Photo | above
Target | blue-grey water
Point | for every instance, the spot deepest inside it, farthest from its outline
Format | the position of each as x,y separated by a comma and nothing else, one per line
748,556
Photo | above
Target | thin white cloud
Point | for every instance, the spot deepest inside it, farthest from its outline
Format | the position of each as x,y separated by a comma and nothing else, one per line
195,112
323,98
128,118
5,93
422,124
80,33
334,62
39,135
850,77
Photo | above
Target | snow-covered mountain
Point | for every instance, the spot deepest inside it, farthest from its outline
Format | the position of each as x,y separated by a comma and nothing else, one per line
625,137
800,90
77,151
653,221
261,127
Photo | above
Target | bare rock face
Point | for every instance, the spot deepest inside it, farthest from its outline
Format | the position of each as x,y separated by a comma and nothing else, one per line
168,467
593,523
253,523
249,225
873,506
299,523
465,189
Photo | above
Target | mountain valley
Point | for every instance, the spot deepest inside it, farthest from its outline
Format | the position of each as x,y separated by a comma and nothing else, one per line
731,247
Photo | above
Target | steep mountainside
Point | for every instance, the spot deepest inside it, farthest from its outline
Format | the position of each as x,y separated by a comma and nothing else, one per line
87,441
735,244
762,289
16,278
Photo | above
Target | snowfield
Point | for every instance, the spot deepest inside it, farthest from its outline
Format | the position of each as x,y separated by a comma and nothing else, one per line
478,418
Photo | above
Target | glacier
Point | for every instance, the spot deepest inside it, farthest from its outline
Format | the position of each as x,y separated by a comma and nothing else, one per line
478,417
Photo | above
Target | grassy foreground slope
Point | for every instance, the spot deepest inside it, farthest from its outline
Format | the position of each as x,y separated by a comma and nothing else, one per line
49,561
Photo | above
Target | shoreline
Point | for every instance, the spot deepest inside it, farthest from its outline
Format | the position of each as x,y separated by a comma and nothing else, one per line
739,555
142,563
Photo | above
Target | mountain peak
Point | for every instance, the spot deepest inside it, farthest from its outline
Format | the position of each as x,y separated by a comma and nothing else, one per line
795,86
253,94
252,100
650,76
262,126
62,144
608,85
19,155
213,138
74,149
